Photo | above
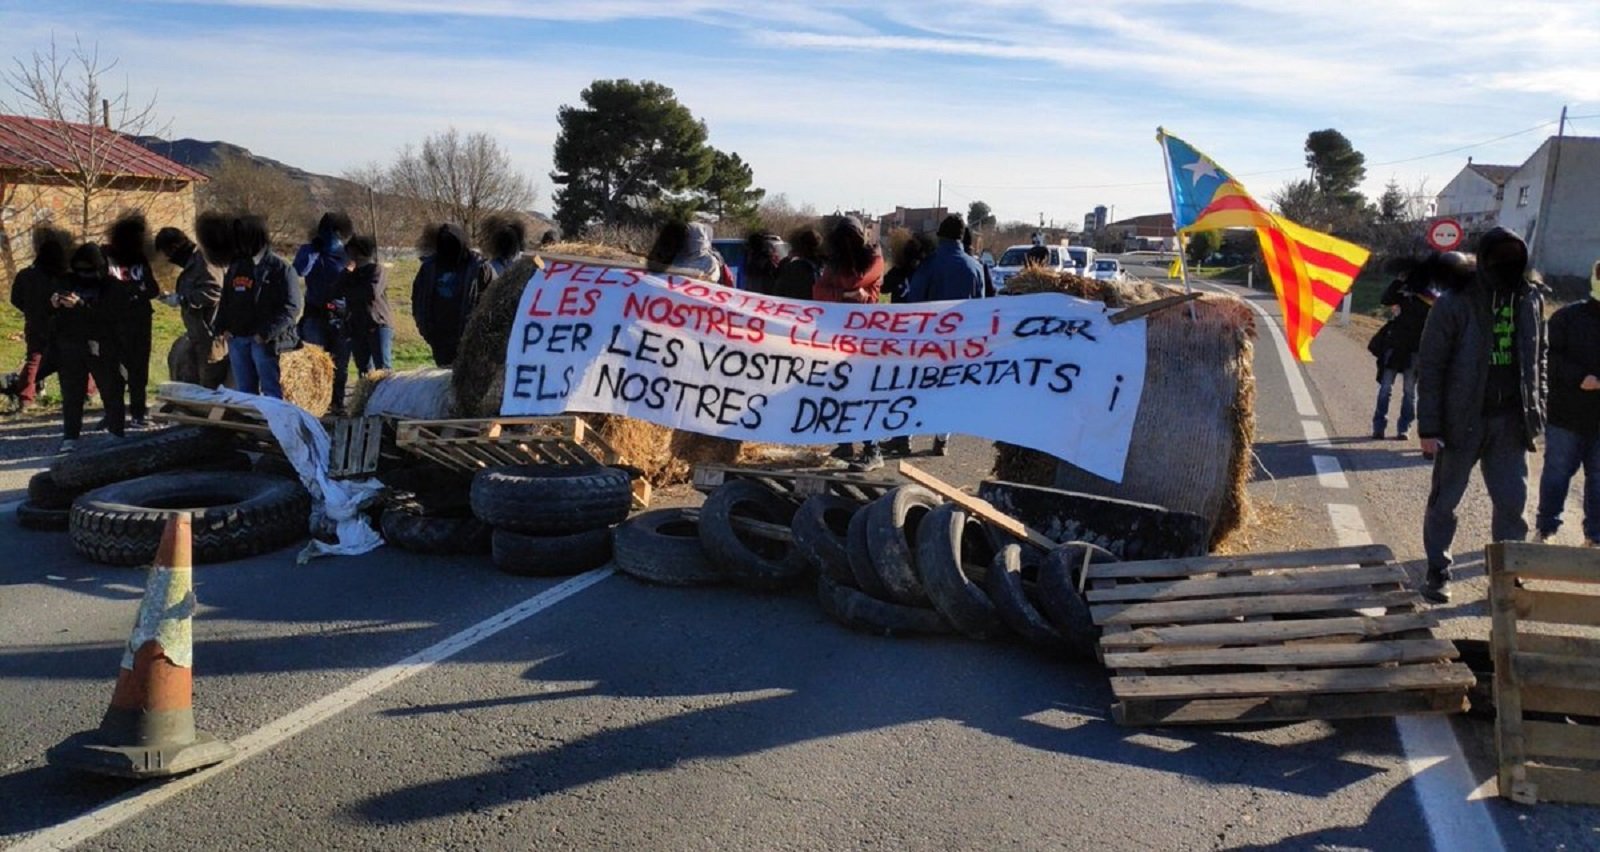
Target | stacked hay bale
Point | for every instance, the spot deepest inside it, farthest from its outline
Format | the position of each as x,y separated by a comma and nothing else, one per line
1192,439
666,457
306,375
422,394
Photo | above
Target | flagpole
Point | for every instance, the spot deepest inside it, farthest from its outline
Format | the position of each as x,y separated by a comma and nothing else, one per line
1172,193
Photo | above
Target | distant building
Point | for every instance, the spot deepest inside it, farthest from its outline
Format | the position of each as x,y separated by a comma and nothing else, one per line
38,159
914,219
1143,232
1473,196
1088,224
1095,222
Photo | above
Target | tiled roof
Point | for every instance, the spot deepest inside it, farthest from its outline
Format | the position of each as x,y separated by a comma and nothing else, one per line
36,143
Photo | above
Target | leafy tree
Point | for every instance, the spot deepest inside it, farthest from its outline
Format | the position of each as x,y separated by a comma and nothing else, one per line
1392,204
1337,168
628,148
1203,244
727,190
979,215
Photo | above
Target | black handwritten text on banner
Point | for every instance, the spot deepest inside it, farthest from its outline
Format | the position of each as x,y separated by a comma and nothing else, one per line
1045,371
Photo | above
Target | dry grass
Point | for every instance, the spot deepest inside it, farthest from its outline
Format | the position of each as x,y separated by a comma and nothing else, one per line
1266,526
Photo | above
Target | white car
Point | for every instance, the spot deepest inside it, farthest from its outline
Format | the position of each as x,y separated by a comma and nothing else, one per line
1108,269
1082,261
1015,258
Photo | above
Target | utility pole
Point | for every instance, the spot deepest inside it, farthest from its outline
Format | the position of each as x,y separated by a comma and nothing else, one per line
1536,238
939,203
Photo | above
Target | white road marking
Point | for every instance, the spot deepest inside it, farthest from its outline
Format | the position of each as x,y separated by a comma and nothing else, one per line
1440,775
119,810
1316,434
1329,473
1304,405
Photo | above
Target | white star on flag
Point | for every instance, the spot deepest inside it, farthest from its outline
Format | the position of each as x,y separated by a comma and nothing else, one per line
1200,168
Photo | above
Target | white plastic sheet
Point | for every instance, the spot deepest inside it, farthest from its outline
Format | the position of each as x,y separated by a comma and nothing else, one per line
335,504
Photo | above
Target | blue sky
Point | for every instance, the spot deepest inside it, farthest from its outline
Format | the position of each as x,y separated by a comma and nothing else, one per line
1035,107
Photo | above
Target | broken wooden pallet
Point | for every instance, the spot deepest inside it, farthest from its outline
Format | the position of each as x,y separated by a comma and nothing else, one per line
1314,634
1547,686
470,445
797,483
218,415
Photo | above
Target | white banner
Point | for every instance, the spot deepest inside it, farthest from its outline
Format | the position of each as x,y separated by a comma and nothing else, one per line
1045,371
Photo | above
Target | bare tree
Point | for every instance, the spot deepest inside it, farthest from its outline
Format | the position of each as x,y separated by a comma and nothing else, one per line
69,88
240,184
778,215
461,179
368,194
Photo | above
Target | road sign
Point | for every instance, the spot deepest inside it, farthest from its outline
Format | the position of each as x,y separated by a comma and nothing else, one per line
1444,234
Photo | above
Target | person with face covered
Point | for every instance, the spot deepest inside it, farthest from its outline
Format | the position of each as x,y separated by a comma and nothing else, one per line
84,312
1481,397
1572,437
31,290
133,288
853,273
262,300
319,263
446,290
202,354
508,239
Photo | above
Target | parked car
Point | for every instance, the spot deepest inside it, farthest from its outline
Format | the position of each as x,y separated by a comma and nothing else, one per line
1108,269
1014,259
733,252
1082,260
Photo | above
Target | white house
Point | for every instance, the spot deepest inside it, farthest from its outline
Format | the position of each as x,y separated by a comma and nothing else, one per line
1473,196
1553,200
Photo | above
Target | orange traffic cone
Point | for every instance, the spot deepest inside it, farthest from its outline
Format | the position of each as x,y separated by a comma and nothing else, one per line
148,731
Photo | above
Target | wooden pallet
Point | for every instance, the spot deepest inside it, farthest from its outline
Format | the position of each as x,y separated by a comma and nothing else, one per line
354,446
475,444
354,442
1314,634
217,415
1547,686
798,483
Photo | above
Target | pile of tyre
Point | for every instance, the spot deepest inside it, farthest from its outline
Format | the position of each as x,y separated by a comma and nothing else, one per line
904,564
113,500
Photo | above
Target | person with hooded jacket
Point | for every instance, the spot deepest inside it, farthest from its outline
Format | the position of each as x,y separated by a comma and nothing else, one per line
508,239
686,248
853,273
798,273
201,355
951,273
446,290
30,293
1481,397
319,263
134,287
1572,437
1410,297
262,300
84,310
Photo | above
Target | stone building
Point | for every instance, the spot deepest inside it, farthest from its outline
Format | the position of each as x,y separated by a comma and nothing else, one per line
42,164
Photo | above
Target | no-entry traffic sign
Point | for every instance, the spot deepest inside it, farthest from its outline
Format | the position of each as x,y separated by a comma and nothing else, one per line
1444,234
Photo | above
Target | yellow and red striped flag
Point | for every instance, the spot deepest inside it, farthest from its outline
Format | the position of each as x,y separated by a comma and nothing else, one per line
1311,271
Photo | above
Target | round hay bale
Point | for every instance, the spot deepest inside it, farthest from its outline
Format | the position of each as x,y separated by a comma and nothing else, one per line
306,375
1200,375
422,394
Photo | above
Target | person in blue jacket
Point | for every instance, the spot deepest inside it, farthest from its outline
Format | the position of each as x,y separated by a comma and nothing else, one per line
319,264
950,273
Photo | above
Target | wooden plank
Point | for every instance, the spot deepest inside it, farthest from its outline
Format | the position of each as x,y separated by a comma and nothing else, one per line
1532,669
1213,609
976,505
1322,654
1571,646
1357,705
1256,584
1557,607
1549,562
1147,308
1371,554
1562,784
1554,739
1270,631
1508,695
1432,676
1566,700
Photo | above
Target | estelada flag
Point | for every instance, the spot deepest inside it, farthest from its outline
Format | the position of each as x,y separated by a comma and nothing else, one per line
1311,271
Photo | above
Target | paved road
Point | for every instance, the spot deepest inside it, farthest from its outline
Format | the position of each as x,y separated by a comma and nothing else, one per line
627,715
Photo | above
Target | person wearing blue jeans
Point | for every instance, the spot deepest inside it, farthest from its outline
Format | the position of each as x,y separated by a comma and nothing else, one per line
371,322
262,299
1409,298
1572,439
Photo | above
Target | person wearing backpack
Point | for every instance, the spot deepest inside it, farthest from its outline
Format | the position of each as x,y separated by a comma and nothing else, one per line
319,263
1409,298
446,290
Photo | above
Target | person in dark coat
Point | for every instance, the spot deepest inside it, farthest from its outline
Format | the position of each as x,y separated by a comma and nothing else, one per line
760,271
1572,435
508,239
910,255
134,288
319,263
799,272
1409,297
201,355
262,300
371,321
31,290
950,273
446,291
969,244
853,273
1481,397
85,324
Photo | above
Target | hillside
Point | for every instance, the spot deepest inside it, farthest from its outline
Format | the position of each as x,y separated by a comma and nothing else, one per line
205,156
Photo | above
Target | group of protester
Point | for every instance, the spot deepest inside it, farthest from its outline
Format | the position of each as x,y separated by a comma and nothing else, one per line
1483,376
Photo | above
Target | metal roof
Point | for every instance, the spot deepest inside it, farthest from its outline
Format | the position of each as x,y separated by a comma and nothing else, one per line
38,144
